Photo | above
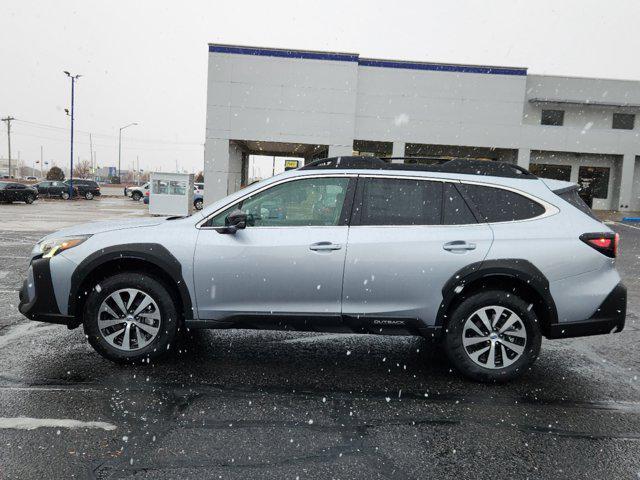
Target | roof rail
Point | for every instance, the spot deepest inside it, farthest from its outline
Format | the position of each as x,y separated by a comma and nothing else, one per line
437,164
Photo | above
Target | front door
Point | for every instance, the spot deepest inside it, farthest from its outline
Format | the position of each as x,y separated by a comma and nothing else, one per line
407,239
288,261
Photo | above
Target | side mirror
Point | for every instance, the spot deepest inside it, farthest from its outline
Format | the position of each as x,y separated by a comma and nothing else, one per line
235,221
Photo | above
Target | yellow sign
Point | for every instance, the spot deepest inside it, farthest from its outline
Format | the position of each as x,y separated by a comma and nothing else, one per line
290,164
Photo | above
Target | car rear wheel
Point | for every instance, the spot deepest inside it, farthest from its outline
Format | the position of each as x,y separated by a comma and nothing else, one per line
65,195
131,317
88,195
136,196
29,199
493,336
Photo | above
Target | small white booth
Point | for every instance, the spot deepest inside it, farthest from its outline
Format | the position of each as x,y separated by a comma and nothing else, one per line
171,194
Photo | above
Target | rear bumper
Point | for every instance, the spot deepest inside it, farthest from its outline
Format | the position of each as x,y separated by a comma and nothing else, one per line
37,299
608,318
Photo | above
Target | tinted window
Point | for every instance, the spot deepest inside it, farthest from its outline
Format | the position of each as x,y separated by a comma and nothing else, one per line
307,202
623,121
392,201
456,210
556,172
552,117
499,205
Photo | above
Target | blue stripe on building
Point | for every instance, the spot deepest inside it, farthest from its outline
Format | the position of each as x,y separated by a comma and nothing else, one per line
366,62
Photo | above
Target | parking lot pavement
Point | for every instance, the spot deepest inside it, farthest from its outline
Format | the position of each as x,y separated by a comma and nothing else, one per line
47,215
243,404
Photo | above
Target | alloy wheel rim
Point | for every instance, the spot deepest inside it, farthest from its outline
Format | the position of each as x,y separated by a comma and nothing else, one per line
494,337
129,319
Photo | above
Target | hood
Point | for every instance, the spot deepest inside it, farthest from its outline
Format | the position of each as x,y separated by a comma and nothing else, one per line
107,226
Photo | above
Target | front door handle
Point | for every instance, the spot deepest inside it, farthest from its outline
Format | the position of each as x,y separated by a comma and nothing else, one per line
324,246
459,246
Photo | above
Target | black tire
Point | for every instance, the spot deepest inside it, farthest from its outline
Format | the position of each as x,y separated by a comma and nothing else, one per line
29,199
88,195
136,196
457,353
198,204
64,195
168,326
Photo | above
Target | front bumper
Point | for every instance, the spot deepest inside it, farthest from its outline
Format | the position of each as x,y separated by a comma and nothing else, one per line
37,299
608,318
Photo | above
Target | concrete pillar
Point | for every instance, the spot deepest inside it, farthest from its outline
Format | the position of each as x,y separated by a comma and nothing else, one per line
398,151
524,156
341,150
626,182
217,169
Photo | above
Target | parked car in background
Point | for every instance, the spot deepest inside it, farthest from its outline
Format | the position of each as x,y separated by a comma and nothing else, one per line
54,189
136,192
86,188
17,192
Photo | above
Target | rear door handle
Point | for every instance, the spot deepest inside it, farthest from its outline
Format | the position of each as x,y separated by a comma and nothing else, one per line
324,246
459,246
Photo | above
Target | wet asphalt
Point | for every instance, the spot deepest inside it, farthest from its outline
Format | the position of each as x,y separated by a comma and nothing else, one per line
249,404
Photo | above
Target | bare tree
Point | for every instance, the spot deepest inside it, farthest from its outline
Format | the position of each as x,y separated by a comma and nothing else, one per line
82,169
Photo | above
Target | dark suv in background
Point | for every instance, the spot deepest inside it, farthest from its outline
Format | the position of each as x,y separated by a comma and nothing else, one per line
86,188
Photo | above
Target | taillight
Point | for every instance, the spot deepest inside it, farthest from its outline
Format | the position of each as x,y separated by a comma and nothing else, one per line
606,243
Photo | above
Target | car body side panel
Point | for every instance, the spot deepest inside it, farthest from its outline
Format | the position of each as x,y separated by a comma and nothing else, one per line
178,237
399,271
577,298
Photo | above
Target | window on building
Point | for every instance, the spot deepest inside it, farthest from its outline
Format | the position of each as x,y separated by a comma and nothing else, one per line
456,210
556,172
499,205
552,117
623,121
393,201
594,182
371,148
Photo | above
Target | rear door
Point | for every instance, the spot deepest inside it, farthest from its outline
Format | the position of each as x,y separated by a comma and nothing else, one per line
408,237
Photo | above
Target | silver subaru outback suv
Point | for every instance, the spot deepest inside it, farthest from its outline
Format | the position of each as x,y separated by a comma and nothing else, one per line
483,257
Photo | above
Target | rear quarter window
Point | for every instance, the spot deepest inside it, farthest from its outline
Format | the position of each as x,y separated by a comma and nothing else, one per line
500,205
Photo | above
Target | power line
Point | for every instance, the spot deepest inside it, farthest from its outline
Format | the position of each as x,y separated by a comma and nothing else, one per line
105,135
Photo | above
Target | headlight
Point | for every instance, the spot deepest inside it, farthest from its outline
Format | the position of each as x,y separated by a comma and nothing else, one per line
53,246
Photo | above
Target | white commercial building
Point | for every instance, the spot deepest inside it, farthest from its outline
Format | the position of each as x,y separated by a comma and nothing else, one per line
311,104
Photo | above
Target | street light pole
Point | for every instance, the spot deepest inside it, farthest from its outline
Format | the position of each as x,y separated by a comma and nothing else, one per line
73,85
120,148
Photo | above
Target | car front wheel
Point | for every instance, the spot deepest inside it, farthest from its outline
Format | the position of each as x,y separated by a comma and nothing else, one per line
131,317
198,204
493,336
29,199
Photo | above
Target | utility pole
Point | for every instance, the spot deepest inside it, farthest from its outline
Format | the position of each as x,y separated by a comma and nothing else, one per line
120,148
8,119
73,85
41,162
91,154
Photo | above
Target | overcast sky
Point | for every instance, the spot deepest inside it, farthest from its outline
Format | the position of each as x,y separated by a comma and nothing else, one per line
146,61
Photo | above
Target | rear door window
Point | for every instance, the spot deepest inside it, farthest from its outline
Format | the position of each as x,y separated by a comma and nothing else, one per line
395,201
456,210
500,205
